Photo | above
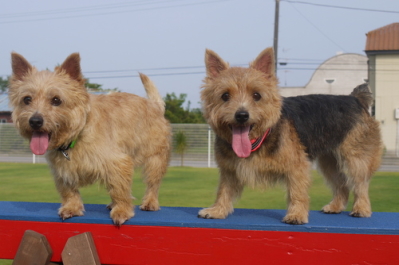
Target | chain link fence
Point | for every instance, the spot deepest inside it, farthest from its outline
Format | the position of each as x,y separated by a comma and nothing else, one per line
198,143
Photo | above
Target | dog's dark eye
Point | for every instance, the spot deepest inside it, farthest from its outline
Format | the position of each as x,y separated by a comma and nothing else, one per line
226,96
56,101
256,96
27,100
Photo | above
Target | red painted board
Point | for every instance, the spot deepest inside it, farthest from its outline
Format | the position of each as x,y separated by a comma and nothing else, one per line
131,244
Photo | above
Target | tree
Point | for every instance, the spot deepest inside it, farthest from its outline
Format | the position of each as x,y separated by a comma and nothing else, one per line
4,84
94,87
180,145
196,116
175,112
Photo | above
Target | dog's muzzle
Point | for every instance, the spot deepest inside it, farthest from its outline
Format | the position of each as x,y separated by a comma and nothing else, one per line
36,122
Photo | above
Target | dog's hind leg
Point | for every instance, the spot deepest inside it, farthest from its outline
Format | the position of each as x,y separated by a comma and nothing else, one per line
360,176
337,181
229,190
153,171
361,156
361,205
361,169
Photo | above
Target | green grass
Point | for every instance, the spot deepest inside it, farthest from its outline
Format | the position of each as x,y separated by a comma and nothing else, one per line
183,186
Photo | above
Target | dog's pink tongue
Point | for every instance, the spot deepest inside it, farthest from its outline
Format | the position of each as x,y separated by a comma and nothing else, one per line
39,143
241,143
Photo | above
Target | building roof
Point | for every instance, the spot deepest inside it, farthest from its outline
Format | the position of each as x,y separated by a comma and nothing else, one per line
4,102
383,39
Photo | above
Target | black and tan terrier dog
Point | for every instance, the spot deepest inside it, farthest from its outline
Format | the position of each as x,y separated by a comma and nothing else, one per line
89,138
262,138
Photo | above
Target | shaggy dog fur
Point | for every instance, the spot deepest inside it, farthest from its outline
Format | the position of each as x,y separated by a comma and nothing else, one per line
89,138
262,138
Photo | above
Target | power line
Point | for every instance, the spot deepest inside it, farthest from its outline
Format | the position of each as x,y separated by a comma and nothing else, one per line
313,69
342,7
203,72
318,62
136,75
298,63
103,74
80,9
105,13
147,69
319,30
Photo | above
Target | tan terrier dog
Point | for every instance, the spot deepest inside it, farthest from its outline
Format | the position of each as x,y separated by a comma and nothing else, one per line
262,138
89,138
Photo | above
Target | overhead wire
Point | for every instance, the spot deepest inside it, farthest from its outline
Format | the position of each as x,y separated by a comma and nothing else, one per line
342,7
291,2
109,13
77,9
194,70
148,3
319,30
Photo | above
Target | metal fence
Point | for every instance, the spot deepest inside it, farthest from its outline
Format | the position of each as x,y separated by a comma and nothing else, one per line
198,153
199,140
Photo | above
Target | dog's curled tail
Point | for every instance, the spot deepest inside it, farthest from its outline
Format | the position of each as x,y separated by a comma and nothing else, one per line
364,95
152,91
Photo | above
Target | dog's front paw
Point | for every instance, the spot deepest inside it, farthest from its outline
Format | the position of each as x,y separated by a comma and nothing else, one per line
295,219
213,213
150,205
68,211
360,213
119,215
332,209
361,209
110,205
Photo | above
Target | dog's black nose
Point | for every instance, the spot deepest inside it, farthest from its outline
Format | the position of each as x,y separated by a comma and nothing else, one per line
242,116
36,122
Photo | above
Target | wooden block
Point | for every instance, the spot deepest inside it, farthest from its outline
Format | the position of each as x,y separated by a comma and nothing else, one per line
80,250
33,249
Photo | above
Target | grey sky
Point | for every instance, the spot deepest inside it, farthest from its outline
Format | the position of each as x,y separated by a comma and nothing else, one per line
167,39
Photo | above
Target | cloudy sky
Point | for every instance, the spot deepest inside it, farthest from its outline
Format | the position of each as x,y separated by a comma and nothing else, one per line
167,39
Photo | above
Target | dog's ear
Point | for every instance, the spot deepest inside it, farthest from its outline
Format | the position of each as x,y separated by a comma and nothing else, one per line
71,66
265,62
20,66
214,64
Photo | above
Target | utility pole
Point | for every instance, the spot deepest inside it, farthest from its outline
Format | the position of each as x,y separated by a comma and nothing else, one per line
275,42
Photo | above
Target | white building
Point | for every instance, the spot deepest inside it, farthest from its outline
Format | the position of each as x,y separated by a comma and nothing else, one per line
382,49
338,75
